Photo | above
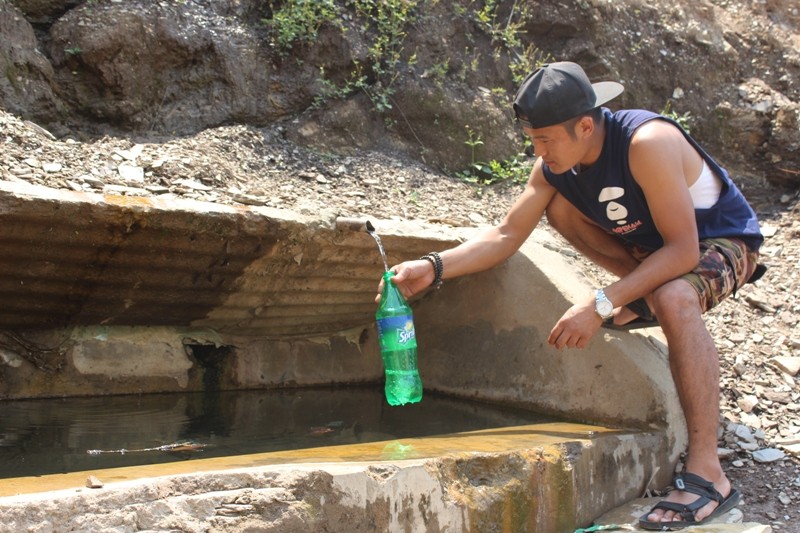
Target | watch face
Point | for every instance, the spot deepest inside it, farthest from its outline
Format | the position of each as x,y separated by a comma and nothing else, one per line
604,308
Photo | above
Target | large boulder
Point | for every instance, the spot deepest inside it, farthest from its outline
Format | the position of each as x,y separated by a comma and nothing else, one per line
170,68
26,86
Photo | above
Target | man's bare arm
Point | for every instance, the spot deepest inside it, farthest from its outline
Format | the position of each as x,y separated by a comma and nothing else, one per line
490,247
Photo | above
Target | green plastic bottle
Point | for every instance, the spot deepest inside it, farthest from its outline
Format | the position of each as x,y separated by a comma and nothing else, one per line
398,343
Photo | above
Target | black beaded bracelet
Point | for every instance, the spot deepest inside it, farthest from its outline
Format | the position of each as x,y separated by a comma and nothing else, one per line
438,268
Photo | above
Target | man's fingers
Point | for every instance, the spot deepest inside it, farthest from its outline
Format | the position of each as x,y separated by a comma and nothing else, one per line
554,333
560,338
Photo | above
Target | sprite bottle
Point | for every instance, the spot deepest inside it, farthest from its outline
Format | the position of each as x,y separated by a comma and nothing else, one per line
398,344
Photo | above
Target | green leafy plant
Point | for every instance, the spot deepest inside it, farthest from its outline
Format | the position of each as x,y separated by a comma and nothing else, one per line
514,170
683,120
330,90
386,22
473,141
300,20
526,60
507,34
382,22
438,71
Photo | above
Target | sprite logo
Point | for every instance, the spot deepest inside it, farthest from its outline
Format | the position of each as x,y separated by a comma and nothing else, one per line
397,333
406,333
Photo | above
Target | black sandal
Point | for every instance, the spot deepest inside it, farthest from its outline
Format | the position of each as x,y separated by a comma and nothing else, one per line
696,485
644,319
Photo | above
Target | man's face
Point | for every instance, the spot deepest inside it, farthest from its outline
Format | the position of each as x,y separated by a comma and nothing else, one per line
557,148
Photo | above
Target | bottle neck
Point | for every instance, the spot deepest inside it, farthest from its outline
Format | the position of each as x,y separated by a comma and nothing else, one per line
391,297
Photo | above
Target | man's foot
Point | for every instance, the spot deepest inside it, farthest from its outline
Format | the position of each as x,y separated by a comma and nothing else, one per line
694,501
623,316
636,314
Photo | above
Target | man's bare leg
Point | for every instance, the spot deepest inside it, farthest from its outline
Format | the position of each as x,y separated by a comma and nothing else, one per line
694,363
693,358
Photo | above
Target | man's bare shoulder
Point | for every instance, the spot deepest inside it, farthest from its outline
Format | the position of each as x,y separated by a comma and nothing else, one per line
660,148
656,133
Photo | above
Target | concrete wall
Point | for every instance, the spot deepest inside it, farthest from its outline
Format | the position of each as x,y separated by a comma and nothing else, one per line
110,295
106,295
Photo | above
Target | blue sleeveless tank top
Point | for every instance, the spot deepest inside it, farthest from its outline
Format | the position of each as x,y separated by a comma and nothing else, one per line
607,193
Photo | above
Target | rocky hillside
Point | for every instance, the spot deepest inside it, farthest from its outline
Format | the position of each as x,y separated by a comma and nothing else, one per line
431,80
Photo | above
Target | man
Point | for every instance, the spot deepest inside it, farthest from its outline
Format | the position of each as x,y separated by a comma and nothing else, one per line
639,197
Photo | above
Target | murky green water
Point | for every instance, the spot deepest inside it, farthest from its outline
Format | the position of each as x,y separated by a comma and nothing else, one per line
69,435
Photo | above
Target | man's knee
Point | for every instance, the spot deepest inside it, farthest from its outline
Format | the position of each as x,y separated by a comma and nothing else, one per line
675,300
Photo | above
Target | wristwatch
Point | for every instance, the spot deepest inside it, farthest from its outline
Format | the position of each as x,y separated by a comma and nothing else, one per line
603,305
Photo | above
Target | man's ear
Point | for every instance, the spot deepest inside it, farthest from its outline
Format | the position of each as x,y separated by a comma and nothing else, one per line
584,127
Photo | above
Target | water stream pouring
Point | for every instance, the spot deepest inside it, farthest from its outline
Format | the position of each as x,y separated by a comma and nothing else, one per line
371,230
397,338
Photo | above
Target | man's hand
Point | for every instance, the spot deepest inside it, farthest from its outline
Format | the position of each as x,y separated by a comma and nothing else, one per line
576,327
411,277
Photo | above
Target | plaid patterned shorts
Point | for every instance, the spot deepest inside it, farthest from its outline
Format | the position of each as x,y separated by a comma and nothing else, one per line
724,266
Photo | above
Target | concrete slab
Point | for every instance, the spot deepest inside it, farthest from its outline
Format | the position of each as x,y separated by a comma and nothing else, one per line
627,516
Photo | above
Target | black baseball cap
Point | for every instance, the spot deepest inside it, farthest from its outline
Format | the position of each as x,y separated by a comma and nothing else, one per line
556,92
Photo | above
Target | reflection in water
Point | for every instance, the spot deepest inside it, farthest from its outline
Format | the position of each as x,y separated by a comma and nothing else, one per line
74,434
396,450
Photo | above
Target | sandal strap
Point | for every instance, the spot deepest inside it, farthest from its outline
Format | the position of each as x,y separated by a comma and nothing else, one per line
694,484
686,511
641,308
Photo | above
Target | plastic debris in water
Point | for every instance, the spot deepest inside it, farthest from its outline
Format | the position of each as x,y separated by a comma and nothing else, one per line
319,430
185,446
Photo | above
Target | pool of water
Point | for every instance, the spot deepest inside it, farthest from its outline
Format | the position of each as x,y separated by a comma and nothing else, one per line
54,436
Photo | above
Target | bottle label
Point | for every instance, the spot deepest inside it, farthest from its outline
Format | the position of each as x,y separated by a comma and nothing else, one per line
397,333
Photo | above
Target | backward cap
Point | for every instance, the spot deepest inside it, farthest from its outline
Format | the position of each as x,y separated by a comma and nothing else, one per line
557,92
